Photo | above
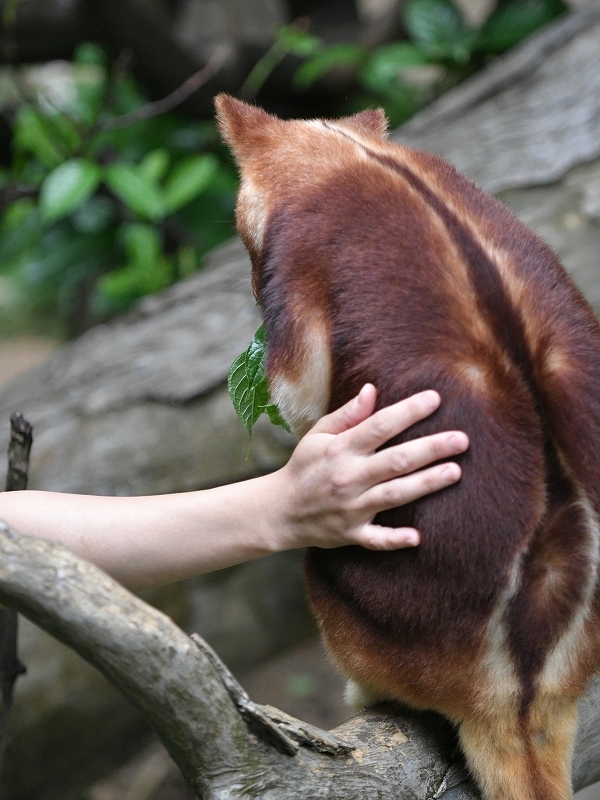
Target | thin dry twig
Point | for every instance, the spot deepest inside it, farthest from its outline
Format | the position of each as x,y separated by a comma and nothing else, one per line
171,101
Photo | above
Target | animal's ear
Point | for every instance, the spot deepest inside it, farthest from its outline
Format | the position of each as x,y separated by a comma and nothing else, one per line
372,122
244,127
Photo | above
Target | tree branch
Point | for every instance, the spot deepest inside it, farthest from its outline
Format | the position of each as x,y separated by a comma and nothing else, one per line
408,756
21,437
171,101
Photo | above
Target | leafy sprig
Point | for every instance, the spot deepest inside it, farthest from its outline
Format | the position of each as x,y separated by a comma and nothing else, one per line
248,386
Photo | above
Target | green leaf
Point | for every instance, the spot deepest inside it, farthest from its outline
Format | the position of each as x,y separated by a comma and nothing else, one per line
64,131
20,230
33,134
94,216
437,26
122,286
385,65
515,20
138,193
334,56
248,387
155,164
275,416
255,366
298,43
89,53
67,187
242,394
147,270
142,243
189,179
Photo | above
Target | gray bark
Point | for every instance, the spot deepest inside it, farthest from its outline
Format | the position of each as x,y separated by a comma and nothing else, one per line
19,448
528,118
394,756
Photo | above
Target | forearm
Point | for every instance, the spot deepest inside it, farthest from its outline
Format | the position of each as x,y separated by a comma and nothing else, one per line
326,496
151,541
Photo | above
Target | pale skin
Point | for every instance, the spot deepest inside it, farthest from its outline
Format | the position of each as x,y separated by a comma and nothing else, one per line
325,496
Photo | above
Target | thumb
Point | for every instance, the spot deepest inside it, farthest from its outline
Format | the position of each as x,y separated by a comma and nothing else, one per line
350,414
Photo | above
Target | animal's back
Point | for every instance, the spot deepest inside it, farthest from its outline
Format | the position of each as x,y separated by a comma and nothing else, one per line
389,267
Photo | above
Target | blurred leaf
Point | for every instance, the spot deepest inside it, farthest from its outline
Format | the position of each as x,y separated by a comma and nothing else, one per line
208,218
289,41
437,27
65,131
142,243
33,134
298,43
187,260
189,179
138,193
385,65
155,164
118,289
89,53
95,215
334,56
91,87
401,105
248,387
67,187
147,270
514,20
21,228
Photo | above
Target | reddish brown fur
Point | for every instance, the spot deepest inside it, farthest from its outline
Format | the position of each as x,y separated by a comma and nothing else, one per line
412,278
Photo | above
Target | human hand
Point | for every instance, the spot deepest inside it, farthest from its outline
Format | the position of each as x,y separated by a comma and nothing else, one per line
335,481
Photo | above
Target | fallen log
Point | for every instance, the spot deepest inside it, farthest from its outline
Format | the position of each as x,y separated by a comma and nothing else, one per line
223,743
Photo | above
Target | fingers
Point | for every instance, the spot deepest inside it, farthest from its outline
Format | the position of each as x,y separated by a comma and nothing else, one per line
377,537
408,488
389,422
352,413
413,455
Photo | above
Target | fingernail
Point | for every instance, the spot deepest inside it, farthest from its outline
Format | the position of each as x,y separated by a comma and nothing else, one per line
458,441
431,399
451,473
411,538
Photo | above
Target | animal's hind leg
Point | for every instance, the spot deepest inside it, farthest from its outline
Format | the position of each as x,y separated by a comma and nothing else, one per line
523,759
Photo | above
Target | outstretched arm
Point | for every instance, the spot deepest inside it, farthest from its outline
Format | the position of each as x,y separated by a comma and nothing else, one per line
326,495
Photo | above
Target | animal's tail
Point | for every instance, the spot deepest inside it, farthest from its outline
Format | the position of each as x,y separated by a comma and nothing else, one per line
523,759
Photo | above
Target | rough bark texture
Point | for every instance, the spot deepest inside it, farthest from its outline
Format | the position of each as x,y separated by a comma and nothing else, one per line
10,667
140,406
174,684
529,117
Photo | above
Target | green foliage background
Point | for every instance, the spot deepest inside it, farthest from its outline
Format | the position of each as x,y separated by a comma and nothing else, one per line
98,209
97,215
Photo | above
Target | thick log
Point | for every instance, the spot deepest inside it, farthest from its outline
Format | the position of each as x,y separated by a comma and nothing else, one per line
528,118
394,756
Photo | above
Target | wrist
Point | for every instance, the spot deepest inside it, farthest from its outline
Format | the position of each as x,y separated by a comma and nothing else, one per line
280,530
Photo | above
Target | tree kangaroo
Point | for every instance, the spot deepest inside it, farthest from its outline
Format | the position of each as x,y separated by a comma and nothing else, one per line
373,262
